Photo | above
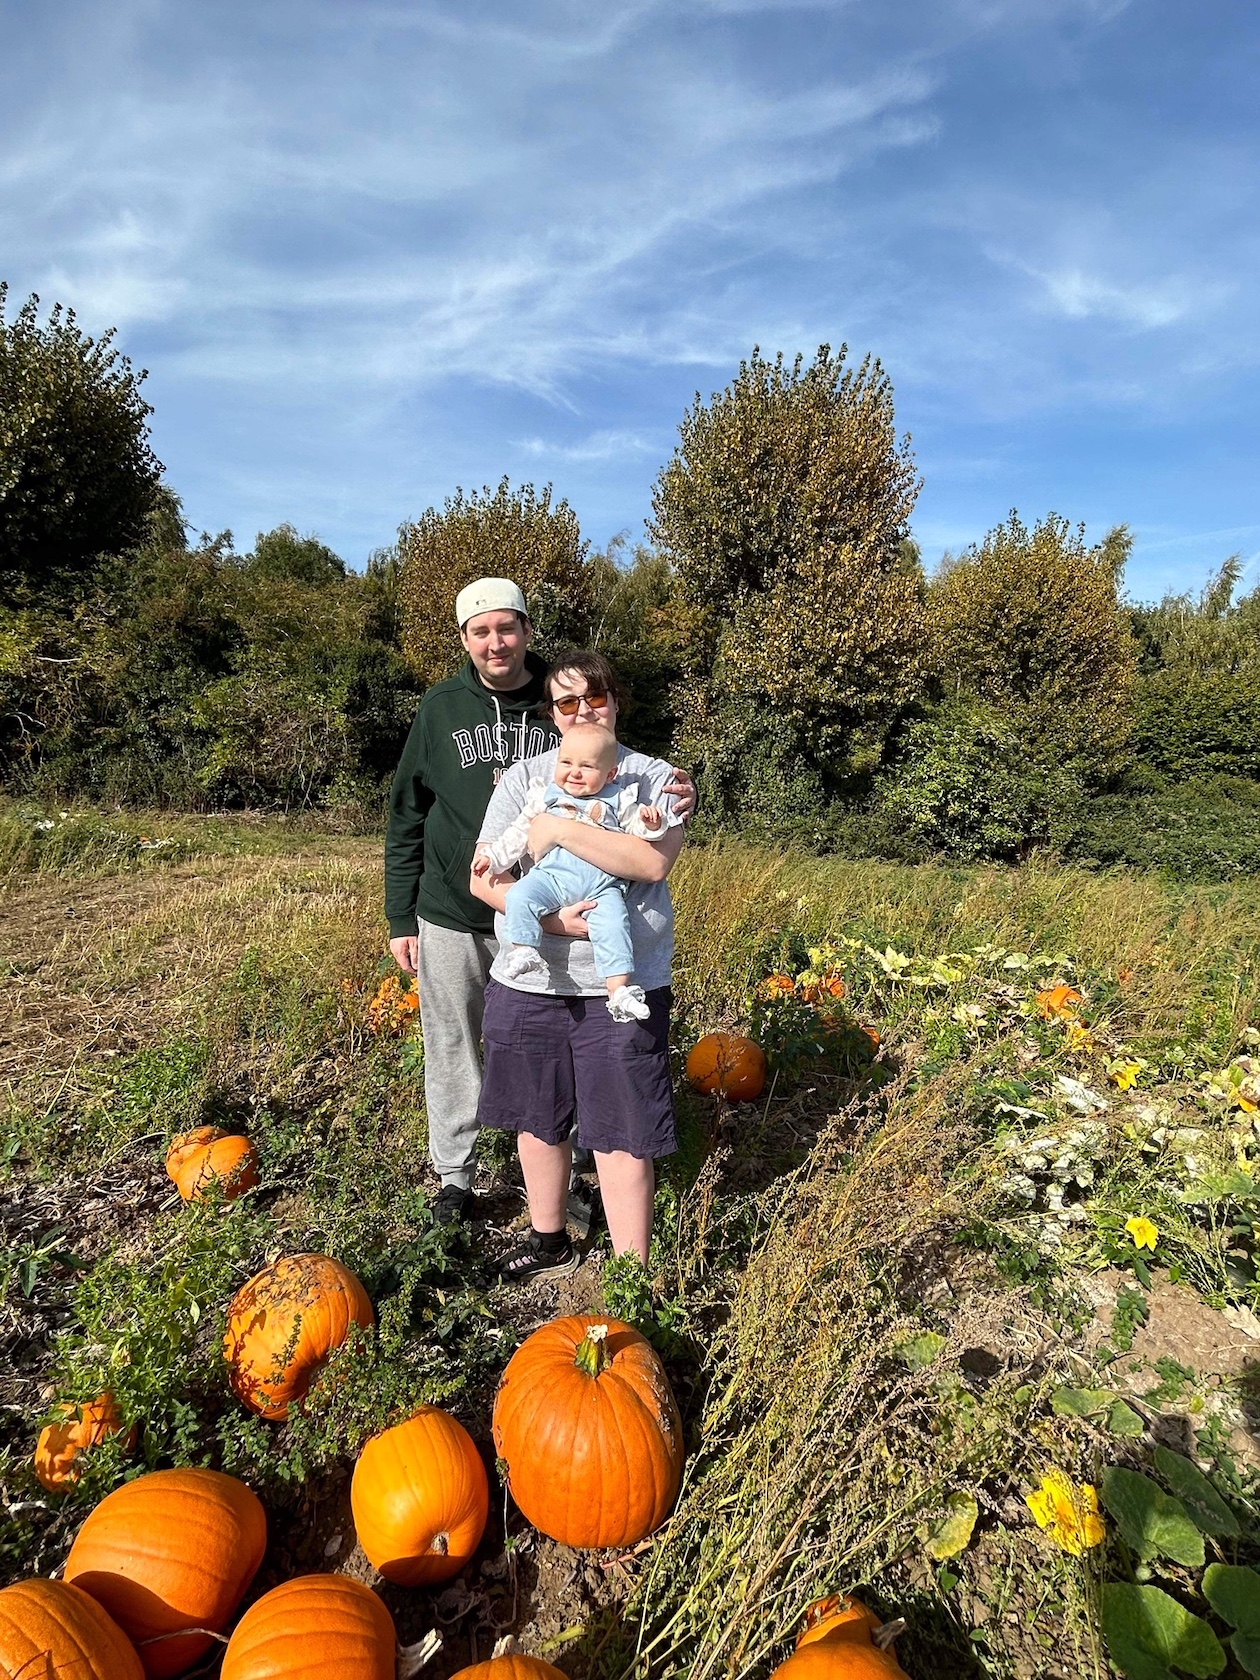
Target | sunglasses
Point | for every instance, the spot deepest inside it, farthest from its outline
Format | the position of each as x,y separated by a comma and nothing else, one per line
568,704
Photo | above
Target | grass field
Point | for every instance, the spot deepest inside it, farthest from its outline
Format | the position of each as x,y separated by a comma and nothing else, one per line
891,1295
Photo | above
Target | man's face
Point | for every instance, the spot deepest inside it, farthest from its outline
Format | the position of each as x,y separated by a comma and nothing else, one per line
496,643
579,770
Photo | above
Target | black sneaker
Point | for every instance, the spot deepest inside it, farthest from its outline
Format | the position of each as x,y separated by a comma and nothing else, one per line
453,1205
584,1208
530,1260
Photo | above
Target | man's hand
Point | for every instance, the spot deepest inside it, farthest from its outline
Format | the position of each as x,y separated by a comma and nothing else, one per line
683,790
543,834
571,920
406,952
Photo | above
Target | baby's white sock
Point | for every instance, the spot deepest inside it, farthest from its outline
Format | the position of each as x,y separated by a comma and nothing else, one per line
628,1004
522,960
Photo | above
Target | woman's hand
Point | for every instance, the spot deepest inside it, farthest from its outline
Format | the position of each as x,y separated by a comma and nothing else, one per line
571,920
684,794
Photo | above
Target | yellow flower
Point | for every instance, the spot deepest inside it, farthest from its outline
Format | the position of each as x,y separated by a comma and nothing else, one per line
1069,1512
1125,1075
1079,1037
1145,1232
1246,1104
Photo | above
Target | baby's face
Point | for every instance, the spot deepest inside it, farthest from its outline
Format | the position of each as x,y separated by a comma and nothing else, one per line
579,772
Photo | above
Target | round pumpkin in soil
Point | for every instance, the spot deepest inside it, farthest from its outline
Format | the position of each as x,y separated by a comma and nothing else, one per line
207,1156
317,1627
284,1323
60,1443
586,1422
838,1643
171,1550
519,1667
49,1630
726,1065
420,1499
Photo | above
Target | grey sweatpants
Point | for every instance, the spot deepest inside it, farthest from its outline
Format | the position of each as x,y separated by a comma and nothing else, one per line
452,972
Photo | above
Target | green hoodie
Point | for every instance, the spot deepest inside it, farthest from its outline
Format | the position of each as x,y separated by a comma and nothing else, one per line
464,737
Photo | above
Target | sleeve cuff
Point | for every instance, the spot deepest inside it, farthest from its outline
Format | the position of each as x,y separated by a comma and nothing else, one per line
403,927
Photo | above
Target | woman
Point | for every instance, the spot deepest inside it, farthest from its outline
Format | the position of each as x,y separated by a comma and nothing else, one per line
551,1048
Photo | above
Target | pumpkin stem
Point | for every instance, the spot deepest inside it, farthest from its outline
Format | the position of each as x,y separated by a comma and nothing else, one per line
441,1544
508,1646
884,1636
412,1658
593,1356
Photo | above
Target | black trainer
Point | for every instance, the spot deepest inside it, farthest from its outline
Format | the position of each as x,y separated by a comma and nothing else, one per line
540,1257
584,1208
453,1205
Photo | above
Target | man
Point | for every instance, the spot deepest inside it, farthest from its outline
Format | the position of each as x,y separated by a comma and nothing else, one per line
468,730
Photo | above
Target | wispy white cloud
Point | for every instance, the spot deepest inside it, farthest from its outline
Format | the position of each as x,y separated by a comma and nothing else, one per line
598,446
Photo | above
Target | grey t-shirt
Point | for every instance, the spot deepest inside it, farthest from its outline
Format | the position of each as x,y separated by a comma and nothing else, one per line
571,962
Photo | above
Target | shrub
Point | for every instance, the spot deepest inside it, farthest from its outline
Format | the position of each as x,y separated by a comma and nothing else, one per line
77,477
501,533
1031,618
636,620
1199,723
967,785
784,514
1203,829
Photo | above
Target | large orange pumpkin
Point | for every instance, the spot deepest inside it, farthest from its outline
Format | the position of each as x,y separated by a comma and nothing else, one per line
836,1644
317,1627
60,1444
198,1158
723,1064
420,1499
171,1550
51,1631
586,1422
519,1667
284,1323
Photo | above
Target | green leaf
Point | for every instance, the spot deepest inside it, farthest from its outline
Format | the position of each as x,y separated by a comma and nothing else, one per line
1208,1510
953,1533
1246,1647
920,1351
1123,1420
1081,1402
1149,1635
1154,1524
1234,1593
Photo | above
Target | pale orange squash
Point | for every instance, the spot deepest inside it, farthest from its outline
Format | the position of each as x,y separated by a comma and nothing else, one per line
586,1422
284,1323
420,1499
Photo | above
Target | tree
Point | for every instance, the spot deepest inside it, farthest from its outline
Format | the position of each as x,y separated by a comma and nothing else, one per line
785,514
78,480
1030,622
516,534
282,553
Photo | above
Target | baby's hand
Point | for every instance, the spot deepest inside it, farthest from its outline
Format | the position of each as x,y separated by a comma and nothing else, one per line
481,862
650,816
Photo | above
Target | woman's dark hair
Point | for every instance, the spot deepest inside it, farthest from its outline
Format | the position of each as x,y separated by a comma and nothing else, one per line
598,671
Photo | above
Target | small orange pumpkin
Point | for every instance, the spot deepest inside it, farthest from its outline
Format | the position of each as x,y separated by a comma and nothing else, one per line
828,987
171,1550
724,1064
420,1499
586,1423
205,1155
316,1627
777,985
1059,1002
60,1444
50,1629
836,1644
284,1323
518,1667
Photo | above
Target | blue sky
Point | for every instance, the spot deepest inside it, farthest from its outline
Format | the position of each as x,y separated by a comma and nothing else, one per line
372,251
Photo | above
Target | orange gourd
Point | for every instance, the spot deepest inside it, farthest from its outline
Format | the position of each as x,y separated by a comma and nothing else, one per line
836,1644
60,1444
317,1627
284,1323
171,1550
420,1499
1059,1002
586,1422
49,1629
723,1064
205,1155
519,1667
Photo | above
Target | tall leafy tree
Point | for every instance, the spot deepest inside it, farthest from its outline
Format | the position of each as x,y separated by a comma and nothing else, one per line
78,480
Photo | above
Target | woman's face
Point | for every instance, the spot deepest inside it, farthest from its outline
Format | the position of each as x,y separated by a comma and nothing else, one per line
573,685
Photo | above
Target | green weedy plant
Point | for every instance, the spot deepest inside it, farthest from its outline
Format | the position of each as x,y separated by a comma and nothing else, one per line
498,533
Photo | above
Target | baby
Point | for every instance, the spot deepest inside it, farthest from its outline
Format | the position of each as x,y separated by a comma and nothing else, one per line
585,764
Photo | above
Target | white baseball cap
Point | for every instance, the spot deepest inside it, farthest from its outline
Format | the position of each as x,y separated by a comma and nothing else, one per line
489,595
